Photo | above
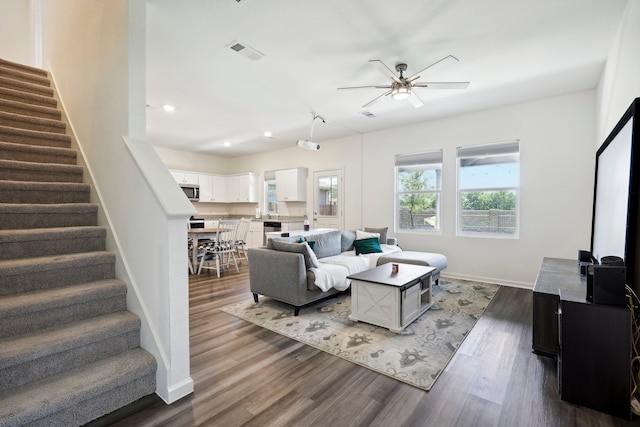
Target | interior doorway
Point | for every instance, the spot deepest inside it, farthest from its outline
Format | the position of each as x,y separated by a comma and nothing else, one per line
328,211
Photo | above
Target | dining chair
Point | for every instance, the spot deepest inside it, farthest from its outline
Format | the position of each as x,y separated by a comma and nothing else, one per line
241,240
223,246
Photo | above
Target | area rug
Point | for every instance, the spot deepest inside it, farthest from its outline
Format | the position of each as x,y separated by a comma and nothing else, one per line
416,356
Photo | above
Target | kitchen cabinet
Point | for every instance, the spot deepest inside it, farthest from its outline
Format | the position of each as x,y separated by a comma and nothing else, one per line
242,188
291,185
213,188
255,237
183,177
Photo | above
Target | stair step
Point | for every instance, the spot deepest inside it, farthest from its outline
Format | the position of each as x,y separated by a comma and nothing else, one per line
39,242
37,154
27,109
25,216
21,121
23,68
20,75
11,170
75,397
27,358
27,98
44,192
25,87
32,274
26,136
34,311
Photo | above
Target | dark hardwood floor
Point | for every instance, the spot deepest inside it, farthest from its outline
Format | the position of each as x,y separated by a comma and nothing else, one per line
248,376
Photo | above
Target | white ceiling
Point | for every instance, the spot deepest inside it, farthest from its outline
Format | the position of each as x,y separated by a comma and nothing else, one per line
510,51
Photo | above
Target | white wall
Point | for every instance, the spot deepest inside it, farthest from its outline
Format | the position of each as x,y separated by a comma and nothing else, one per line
96,54
620,82
556,146
16,32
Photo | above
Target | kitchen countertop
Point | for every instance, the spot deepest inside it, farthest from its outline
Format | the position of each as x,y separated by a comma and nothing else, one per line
286,220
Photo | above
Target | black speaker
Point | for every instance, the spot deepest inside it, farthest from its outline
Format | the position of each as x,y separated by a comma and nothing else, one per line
607,285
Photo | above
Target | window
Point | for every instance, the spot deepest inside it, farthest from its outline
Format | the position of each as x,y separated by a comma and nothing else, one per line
418,186
488,189
270,198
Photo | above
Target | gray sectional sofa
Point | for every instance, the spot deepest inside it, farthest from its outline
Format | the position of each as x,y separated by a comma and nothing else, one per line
289,271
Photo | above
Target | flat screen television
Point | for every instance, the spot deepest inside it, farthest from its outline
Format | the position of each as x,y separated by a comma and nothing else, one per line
614,228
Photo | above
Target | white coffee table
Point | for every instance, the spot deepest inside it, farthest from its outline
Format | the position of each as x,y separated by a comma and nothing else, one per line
391,300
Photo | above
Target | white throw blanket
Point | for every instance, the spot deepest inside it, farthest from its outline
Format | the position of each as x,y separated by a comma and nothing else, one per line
333,270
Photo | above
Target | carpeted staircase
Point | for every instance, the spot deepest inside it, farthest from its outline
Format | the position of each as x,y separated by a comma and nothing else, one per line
69,349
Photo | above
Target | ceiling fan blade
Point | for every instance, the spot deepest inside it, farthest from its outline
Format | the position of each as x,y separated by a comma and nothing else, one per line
415,100
435,66
366,87
368,104
385,70
441,85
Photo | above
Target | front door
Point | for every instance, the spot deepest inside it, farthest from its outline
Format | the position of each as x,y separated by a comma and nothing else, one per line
328,200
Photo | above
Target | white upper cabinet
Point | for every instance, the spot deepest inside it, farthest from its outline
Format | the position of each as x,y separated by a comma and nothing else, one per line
291,185
213,188
242,188
183,177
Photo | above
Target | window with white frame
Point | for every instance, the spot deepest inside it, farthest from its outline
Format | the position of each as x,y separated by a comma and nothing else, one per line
270,198
488,189
418,187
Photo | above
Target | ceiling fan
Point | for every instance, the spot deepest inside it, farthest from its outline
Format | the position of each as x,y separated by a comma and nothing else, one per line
402,87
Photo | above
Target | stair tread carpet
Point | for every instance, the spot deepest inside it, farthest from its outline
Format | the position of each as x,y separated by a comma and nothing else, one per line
47,299
40,167
36,153
72,388
29,77
36,242
23,68
34,346
20,121
36,215
33,110
25,87
27,136
27,98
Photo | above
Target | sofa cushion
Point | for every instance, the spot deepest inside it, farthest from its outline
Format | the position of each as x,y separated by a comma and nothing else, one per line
310,259
367,246
327,244
346,241
311,243
366,235
270,241
381,231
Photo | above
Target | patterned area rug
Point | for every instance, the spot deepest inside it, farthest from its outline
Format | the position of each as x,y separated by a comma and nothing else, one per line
416,356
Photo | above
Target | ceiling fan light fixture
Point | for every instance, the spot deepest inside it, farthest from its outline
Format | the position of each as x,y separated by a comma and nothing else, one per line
400,92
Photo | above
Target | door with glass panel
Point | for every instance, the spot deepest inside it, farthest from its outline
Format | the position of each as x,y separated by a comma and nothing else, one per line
327,199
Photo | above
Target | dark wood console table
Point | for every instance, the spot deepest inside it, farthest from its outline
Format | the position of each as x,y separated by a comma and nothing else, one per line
592,342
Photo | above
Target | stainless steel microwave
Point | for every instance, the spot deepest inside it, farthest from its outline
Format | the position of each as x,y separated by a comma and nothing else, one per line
192,191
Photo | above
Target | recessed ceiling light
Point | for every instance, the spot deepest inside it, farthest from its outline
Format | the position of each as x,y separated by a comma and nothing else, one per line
168,108
268,134
227,144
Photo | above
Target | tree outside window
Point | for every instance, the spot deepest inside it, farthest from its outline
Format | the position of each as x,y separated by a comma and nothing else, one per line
418,186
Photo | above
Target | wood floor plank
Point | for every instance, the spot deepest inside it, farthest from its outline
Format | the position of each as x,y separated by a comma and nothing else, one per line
246,375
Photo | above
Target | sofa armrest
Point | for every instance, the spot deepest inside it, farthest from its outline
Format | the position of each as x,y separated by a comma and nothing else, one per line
278,274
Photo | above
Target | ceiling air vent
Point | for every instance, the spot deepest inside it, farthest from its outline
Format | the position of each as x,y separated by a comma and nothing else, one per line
368,114
240,1
245,50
